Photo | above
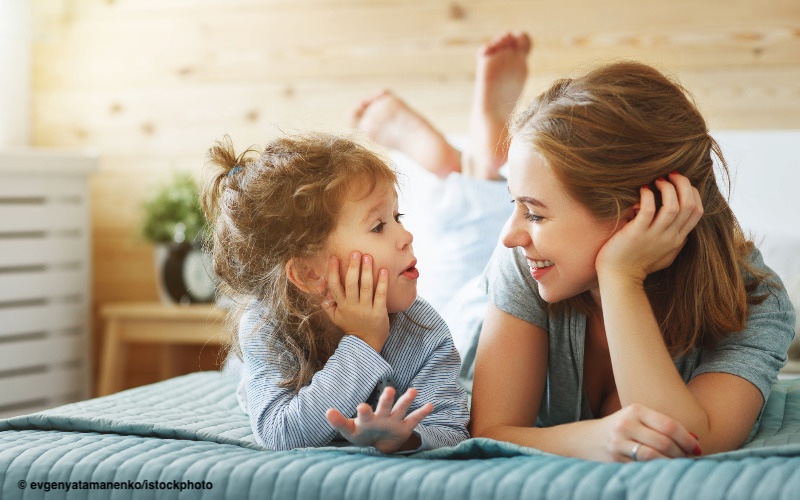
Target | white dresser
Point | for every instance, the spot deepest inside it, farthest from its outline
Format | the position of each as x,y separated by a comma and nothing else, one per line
44,279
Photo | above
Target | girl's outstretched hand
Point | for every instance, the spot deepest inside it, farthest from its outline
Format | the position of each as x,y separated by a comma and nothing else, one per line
652,239
354,307
637,433
388,429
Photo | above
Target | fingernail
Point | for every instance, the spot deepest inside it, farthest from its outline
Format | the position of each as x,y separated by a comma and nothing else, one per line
661,179
367,259
355,256
645,187
674,172
697,451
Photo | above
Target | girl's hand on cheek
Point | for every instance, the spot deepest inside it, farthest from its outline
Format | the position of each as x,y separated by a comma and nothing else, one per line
653,238
354,307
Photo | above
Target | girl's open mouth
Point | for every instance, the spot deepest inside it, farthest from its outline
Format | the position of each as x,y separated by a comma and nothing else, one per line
411,272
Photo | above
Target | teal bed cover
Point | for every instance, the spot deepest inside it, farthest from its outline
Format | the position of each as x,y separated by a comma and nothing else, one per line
187,438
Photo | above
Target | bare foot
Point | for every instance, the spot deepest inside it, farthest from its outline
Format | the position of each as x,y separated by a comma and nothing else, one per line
390,122
500,77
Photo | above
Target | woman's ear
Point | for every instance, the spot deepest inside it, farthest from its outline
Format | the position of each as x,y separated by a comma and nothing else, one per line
304,276
630,214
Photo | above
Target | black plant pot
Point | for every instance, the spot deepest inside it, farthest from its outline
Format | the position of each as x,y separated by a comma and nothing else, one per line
186,274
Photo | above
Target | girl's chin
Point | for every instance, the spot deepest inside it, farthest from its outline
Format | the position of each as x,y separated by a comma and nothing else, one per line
400,304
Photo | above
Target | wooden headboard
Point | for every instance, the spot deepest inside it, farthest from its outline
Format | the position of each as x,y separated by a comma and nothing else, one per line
152,83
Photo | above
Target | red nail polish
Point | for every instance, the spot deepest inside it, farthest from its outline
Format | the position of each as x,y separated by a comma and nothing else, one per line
674,172
697,451
645,187
661,179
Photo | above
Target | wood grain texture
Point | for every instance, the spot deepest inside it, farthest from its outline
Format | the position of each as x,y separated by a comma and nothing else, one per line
152,83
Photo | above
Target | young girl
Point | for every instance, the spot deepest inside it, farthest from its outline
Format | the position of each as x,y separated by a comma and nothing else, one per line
629,318
307,235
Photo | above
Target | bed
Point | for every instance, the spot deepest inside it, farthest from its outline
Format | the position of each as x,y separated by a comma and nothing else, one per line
186,437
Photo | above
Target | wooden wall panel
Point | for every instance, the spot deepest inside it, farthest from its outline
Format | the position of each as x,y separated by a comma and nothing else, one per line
152,83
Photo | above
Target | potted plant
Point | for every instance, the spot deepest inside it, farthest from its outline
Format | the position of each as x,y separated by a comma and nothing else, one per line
174,222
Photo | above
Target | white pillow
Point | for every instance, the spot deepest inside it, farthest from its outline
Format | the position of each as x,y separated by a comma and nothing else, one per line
782,254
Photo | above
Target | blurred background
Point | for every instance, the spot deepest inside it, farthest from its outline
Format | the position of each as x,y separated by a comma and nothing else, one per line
149,85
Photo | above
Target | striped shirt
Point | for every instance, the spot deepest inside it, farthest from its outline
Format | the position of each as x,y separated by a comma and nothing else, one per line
413,356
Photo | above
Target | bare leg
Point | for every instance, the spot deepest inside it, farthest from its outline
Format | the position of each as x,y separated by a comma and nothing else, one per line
390,122
500,77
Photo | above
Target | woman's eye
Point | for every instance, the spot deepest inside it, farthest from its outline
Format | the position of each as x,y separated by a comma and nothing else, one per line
378,228
532,218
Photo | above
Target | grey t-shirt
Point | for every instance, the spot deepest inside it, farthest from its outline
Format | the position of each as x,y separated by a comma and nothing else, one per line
756,354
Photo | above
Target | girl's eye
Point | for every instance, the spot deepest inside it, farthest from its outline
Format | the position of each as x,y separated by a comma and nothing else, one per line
532,218
398,217
378,228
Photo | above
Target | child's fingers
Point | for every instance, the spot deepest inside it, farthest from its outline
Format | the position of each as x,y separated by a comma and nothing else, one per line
334,279
384,406
418,415
352,276
379,301
364,413
329,306
404,402
366,281
339,422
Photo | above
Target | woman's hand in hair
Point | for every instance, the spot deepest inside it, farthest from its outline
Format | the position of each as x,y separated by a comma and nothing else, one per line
354,307
652,237
648,433
388,428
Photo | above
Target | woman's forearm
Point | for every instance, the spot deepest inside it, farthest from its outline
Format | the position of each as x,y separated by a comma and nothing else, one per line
643,368
572,440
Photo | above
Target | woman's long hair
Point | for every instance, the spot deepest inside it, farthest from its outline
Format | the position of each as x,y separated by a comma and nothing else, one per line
620,127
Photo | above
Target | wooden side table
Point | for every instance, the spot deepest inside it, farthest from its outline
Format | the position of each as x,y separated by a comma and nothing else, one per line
156,323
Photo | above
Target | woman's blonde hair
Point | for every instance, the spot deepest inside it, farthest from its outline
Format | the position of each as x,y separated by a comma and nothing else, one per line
620,127
267,208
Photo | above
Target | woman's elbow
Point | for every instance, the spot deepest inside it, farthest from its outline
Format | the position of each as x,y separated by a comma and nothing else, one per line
478,429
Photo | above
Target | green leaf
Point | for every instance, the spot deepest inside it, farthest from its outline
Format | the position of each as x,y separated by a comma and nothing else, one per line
177,201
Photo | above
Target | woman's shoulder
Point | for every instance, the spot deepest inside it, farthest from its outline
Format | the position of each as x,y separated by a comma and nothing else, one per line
758,265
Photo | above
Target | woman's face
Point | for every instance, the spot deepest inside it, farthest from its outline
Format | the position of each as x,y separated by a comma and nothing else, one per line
559,236
371,225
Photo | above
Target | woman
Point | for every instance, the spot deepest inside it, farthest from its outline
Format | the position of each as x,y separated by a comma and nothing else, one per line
629,318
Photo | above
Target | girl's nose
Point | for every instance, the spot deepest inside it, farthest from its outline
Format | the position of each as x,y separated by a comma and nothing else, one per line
405,239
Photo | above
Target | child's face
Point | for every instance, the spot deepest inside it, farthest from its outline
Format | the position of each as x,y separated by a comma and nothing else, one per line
559,236
370,225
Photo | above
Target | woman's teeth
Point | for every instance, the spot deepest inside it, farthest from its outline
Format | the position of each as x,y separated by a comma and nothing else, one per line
538,264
